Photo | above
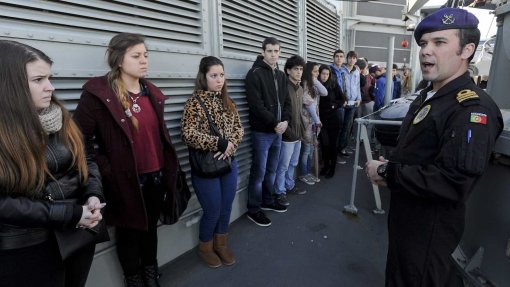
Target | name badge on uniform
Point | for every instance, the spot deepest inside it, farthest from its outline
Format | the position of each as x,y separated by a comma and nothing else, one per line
421,114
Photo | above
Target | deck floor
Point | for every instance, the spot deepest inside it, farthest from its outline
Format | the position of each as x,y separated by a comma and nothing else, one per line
313,244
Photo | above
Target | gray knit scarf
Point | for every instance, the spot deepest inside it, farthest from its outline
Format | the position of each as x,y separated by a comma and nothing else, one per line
51,118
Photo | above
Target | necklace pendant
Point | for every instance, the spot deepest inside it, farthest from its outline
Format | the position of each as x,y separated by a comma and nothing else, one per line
136,108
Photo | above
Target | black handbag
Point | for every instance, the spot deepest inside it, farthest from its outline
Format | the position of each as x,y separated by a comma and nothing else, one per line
175,200
71,240
202,162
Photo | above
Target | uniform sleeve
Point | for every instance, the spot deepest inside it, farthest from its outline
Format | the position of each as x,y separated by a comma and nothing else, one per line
254,98
191,130
465,150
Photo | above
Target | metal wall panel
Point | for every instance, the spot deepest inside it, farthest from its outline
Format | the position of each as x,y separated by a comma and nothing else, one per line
245,24
380,9
91,22
322,32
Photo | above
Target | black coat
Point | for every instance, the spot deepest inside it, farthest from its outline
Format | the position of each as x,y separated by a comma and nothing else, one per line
328,105
444,147
29,221
267,95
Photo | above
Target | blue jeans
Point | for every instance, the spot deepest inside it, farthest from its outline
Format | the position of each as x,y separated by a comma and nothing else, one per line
345,131
215,196
289,156
305,161
266,152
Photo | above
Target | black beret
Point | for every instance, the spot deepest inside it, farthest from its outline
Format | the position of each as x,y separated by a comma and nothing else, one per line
444,19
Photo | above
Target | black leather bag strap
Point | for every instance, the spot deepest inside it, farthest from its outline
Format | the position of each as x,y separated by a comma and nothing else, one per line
214,130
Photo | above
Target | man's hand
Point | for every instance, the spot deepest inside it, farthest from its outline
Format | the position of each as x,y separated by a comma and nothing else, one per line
371,171
281,127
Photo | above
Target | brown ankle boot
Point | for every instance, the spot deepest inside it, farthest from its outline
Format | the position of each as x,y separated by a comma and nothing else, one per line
220,246
205,250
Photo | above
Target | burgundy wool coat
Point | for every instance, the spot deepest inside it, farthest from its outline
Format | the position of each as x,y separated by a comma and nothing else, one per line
103,123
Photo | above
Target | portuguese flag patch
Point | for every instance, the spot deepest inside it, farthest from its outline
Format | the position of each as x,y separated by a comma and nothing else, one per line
478,118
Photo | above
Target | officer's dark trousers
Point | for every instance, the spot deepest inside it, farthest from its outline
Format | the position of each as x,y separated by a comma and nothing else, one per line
422,236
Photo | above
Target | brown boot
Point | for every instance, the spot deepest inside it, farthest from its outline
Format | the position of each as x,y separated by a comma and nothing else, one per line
220,246
205,250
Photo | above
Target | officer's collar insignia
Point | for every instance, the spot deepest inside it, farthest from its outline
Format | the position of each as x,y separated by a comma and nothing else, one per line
448,19
421,114
465,95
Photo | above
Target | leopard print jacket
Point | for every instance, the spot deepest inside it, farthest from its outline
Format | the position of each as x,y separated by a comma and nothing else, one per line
195,127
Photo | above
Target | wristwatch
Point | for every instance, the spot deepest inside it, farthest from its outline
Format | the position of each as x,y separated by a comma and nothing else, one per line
381,170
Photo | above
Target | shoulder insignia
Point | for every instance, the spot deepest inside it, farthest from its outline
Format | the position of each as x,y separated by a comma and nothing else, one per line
466,95
421,114
478,118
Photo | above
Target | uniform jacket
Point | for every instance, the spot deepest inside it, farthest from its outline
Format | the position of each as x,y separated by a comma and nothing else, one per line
103,122
437,152
267,96
29,221
195,130
444,147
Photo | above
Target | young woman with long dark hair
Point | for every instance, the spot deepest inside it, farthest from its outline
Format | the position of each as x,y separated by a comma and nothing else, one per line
214,194
313,90
328,107
47,182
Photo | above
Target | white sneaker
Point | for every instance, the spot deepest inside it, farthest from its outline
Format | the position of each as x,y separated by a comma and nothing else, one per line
306,180
312,177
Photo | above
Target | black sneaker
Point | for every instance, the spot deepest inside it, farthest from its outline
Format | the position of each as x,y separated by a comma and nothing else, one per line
296,190
274,207
259,218
282,200
344,153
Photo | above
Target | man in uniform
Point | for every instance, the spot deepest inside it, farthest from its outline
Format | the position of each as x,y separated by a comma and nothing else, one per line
444,146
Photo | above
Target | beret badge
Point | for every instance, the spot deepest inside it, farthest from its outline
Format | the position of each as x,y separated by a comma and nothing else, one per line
448,19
